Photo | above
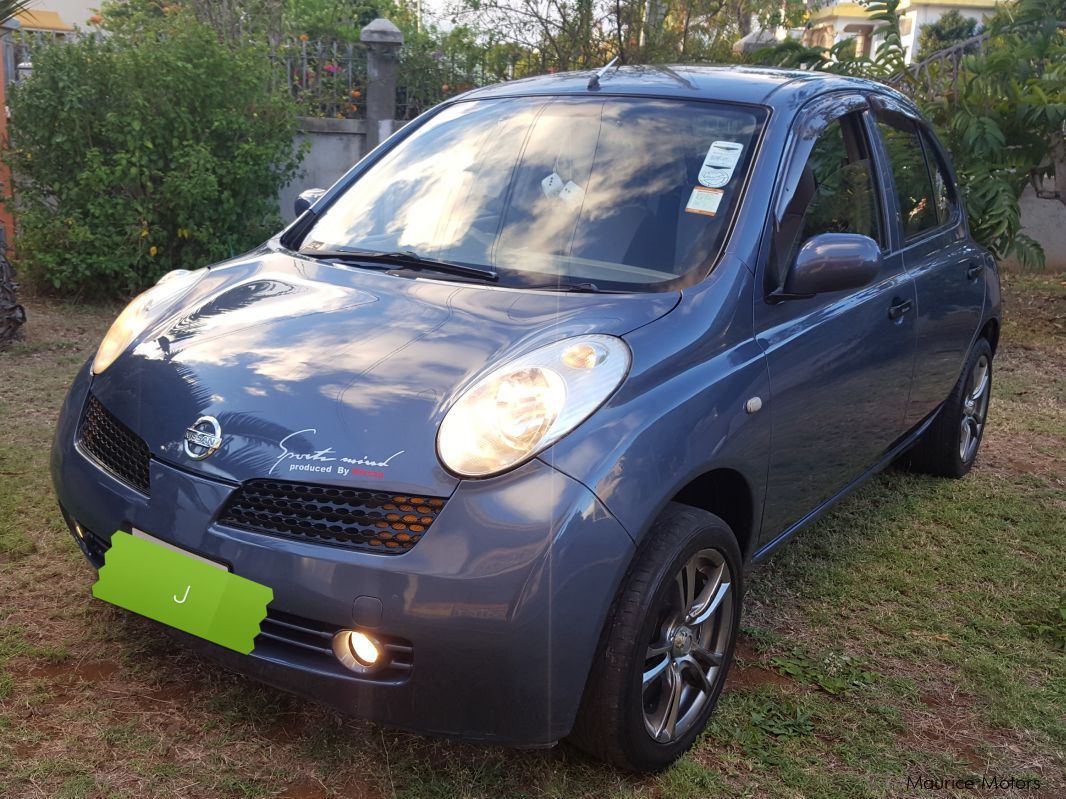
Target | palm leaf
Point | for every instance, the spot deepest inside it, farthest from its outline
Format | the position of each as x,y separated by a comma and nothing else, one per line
9,8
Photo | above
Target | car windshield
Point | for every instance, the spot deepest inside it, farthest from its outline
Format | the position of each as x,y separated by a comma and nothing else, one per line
625,194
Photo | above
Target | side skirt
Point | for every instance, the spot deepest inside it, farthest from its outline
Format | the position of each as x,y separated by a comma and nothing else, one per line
894,452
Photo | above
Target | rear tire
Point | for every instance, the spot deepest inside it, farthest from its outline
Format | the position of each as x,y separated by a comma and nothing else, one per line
949,447
675,619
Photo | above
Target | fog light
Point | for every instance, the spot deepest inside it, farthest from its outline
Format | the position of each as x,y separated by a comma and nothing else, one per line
357,650
365,650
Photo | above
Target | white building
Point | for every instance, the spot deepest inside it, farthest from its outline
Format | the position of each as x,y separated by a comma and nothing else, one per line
843,20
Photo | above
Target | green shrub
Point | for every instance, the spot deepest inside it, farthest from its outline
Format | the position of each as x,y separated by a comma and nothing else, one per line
148,151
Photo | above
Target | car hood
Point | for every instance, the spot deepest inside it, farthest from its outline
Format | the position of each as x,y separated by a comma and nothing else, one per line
333,374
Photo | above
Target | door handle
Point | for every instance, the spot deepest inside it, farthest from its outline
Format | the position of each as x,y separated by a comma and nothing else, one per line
974,269
898,308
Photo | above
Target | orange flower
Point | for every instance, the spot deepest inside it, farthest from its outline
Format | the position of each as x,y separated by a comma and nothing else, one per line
95,19
356,93
304,37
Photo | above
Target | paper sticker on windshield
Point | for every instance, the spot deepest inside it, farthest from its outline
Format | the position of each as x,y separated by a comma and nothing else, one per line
704,201
720,162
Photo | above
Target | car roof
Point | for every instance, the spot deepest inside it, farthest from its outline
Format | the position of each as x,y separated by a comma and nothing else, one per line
777,88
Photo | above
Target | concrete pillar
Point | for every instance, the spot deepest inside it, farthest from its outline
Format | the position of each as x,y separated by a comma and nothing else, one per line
383,41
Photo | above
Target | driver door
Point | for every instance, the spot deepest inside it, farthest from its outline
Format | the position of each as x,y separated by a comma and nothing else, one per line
840,362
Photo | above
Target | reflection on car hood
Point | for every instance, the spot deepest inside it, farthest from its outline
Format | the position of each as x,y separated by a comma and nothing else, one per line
333,374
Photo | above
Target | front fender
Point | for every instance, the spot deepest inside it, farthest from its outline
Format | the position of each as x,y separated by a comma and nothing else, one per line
681,411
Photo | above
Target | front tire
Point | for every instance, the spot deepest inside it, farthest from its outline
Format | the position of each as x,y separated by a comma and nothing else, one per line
949,447
667,646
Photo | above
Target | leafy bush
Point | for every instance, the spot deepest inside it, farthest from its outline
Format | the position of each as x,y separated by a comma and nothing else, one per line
155,149
1003,118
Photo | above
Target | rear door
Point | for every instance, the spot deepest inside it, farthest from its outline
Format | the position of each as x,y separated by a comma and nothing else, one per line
937,251
840,363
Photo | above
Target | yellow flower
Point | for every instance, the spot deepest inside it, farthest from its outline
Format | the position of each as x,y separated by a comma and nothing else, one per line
144,232
152,252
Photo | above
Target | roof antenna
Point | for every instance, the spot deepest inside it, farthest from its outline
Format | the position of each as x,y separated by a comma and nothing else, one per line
594,81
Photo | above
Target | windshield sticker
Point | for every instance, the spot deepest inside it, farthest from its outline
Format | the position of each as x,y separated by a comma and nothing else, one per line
720,162
572,194
552,185
328,461
704,201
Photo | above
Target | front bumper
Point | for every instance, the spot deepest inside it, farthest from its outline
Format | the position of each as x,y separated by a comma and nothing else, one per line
503,601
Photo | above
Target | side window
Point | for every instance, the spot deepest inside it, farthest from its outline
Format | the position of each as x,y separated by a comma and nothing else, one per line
836,193
943,192
918,208
845,196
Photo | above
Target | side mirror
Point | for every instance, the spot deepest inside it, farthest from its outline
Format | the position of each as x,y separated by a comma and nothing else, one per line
307,199
833,262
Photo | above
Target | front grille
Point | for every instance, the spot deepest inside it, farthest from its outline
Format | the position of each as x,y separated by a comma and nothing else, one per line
114,446
373,521
312,642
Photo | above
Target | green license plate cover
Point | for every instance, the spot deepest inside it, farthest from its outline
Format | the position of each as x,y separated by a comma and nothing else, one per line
182,591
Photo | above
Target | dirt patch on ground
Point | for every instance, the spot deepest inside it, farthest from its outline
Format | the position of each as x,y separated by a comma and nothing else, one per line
305,788
942,727
1025,453
86,670
748,674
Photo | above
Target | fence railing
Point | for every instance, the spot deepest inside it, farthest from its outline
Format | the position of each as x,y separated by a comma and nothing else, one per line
939,72
325,78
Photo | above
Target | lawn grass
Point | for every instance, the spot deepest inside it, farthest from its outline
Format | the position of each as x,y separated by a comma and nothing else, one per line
916,630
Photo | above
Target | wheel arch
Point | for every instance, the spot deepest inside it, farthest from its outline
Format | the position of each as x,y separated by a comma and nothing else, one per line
722,490
991,332
727,494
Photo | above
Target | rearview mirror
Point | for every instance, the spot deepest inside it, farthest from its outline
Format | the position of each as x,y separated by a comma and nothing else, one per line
833,262
307,199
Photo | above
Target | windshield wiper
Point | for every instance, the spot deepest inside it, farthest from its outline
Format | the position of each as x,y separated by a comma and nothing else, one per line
586,287
407,259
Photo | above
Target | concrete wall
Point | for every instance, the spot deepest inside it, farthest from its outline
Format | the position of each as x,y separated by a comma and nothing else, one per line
1045,221
335,146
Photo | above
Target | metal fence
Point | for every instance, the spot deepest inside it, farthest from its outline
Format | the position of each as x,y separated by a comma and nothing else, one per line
938,73
325,78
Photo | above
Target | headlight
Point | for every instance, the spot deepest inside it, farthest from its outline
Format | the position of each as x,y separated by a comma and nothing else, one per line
141,311
525,406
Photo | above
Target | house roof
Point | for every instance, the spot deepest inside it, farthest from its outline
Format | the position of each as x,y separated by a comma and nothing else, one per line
849,9
38,20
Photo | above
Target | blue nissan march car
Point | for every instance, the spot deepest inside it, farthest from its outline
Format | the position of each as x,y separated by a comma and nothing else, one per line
505,415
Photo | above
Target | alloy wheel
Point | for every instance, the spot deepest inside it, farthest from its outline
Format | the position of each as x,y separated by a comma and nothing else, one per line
975,408
685,659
